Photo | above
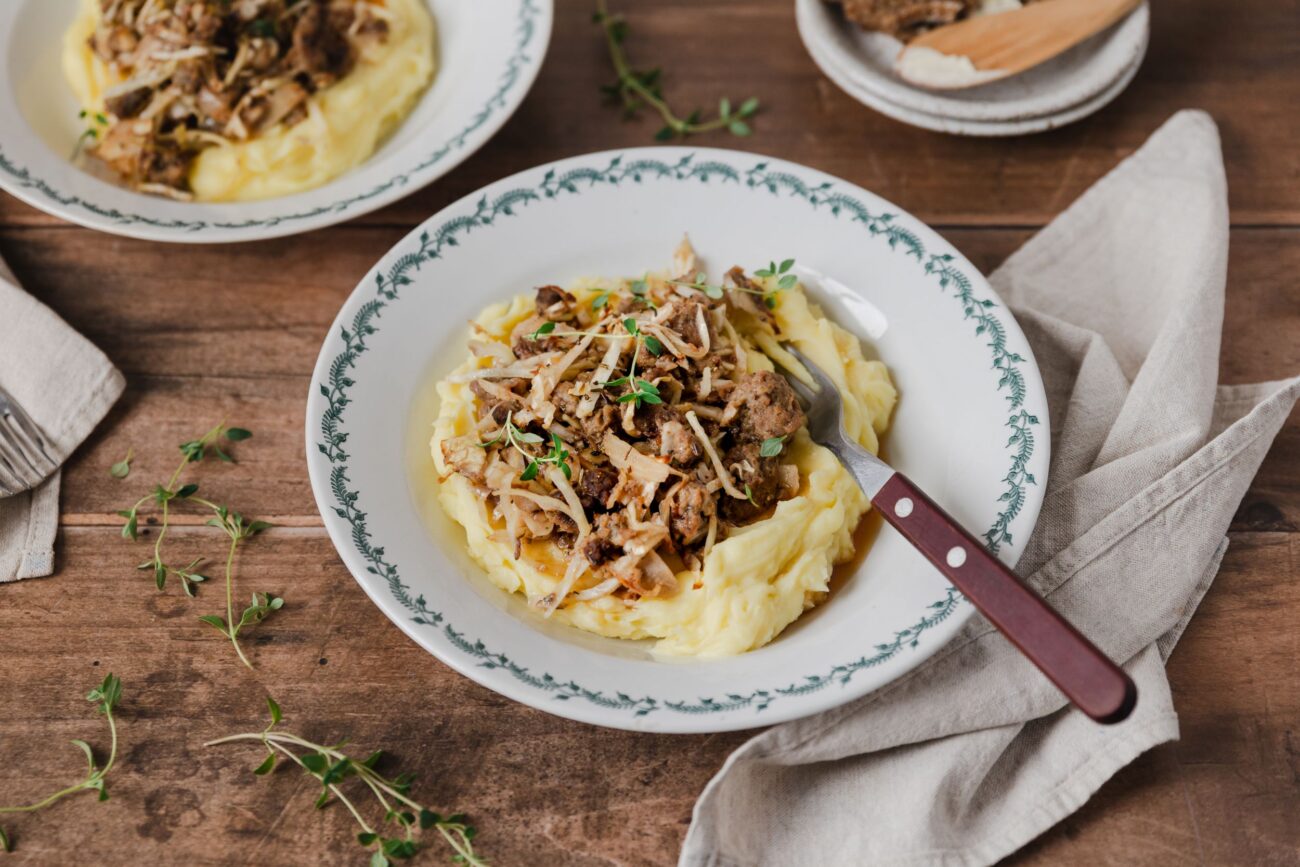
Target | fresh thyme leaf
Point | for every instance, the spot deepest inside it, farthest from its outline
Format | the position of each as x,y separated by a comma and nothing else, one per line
274,707
787,282
653,344
396,835
771,447
106,697
637,89
785,266
543,329
187,491
122,468
600,301
631,326
215,621
237,434
529,473
749,495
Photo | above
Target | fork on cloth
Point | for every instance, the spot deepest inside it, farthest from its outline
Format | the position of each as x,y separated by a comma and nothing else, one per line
1094,683
25,461
55,387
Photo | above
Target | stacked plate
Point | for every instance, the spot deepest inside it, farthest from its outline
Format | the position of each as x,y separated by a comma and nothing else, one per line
1065,89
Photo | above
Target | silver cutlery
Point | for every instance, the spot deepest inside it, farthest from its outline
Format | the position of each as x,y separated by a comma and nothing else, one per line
25,459
1079,669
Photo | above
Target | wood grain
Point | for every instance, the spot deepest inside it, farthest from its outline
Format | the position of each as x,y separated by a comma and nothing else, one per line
204,333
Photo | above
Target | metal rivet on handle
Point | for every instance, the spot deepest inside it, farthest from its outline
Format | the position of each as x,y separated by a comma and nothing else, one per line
903,507
956,556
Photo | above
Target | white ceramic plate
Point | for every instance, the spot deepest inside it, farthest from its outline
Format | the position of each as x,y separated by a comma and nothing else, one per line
957,126
1065,83
489,54
971,425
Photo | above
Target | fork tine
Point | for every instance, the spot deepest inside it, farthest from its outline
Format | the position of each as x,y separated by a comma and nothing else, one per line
18,463
819,376
26,456
28,432
10,481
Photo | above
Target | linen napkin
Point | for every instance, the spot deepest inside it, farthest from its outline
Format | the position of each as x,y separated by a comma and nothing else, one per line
66,385
975,753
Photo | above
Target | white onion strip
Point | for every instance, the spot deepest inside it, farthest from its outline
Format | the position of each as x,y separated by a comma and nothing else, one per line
723,475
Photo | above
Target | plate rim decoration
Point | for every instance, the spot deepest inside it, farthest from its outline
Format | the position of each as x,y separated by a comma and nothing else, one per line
67,192
825,684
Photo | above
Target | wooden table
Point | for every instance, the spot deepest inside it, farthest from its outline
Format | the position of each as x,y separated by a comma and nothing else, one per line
204,333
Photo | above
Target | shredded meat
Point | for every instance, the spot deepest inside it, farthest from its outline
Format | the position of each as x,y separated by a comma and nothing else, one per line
199,71
648,403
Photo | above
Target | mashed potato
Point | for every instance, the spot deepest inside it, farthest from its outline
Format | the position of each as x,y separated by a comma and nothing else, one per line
346,122
762,576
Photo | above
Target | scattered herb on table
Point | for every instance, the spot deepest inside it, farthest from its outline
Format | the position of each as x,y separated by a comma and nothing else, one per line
331,767
122,468
232,523
636,89
106,697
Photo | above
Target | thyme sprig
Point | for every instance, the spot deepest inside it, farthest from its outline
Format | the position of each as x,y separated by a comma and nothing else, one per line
640,390
236,527
781,273
331,767
94,122
106,697
517,439
636,89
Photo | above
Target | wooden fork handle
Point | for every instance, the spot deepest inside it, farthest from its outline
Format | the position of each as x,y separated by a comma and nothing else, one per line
1088,678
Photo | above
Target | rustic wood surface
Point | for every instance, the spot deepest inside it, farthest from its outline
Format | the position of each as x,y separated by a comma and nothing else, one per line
203,333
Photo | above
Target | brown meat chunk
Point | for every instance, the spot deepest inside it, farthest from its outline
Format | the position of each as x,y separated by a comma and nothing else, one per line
673,439
128,103
761,475
685,321
594,487
764,405
525,344
319,48
601,546
554,304
497,398
689,519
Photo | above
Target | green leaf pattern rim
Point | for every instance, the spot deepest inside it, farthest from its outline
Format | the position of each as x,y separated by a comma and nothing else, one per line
518,61
435,244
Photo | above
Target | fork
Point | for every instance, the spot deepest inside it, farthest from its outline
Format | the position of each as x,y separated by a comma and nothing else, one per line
24,460
1079,669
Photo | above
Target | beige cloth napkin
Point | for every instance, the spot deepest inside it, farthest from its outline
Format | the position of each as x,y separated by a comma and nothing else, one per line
66,385
975,753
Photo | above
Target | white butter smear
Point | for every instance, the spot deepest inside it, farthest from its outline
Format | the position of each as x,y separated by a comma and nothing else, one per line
930,68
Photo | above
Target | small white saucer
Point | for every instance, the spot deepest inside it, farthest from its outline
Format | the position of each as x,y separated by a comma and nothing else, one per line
1063,90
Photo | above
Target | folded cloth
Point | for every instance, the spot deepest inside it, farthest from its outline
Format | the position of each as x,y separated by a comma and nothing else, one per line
66,385
975,753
